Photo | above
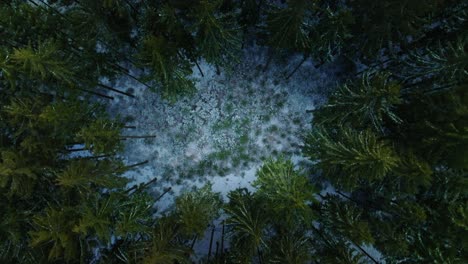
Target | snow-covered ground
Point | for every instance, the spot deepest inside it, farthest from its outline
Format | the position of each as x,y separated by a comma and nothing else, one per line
221,133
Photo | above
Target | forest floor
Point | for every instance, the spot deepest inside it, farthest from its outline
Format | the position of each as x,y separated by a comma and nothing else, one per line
224,131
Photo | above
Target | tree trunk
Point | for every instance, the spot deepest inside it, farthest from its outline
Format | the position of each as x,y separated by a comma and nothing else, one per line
127,137
192,58
96,157
259,255
244,34
94,93
164,193
222,241
136,164
211,241
193,242
127,72
365,252
140,187
269,59
199,68
78,149
322,62
297,67
115,90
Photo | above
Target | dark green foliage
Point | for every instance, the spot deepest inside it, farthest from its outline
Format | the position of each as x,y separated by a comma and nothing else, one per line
330,36
367,102
216,35
383,24
279,184
101,136
405,179
291,248
342,253
164,247
288,27
42,62
345,219
446,62
171,72
55,229
197,209
350,157
248,221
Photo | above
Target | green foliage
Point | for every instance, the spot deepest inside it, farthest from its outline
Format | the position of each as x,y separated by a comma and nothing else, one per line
134,215
288,27
345,219
290,248
102,136
163,247
330,36
95,217
414,174
17,175
248,219
342,253
87,174
287,191
197,209
168,69
216,37
447,62
356,158
397,138
53,229
43,62
369,102
379,25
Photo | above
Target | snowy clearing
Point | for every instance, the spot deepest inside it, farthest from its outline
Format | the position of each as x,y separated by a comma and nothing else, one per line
223,132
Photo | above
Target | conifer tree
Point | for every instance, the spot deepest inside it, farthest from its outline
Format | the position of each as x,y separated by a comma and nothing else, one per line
370,101
350,157
216,36
168,68
329,36
345,219
289,28
287,192
197,209
248,220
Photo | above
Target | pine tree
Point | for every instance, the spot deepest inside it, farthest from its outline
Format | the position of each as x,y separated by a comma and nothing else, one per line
287,192
171,71
288,27
101,136
330,35
164,247
350,157
43,62
54,231
446,62
216,36
345,219
372,101
290,248
197,209
384,24
248,219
